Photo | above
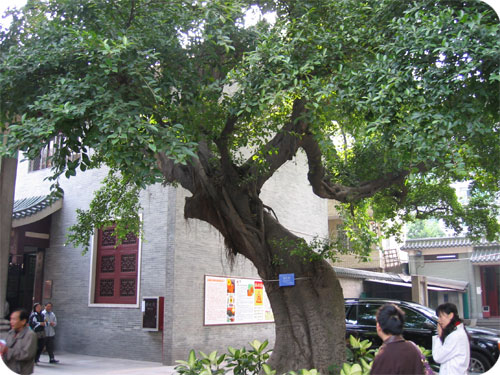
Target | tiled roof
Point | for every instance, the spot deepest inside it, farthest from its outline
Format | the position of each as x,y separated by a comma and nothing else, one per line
426,243
29,206
444,242
485,256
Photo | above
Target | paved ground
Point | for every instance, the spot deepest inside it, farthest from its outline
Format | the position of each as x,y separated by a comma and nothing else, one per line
76,364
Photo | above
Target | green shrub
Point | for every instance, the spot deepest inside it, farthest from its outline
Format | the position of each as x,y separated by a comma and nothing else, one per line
239,361
207,365
250,362
360,356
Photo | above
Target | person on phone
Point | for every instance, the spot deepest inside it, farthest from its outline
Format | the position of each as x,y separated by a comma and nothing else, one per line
451,347
19,350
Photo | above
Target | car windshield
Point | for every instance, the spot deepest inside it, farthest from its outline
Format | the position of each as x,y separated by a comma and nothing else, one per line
427,311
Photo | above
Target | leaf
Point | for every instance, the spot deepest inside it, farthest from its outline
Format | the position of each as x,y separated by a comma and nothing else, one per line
356,369
354,342
191,358
267,369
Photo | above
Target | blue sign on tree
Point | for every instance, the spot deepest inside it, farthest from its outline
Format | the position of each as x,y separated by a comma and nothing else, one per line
287,279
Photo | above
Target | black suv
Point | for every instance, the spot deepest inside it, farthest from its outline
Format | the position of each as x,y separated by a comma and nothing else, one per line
420,326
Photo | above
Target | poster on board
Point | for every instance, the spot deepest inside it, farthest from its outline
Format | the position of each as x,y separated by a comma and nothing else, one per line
232,300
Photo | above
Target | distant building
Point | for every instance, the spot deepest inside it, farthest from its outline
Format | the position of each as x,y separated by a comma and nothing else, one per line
458,258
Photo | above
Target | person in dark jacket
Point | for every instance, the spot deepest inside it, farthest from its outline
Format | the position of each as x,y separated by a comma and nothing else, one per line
37,324
396,355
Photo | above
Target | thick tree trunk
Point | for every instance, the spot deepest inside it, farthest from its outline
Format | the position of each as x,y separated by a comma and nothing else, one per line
309,317
310,326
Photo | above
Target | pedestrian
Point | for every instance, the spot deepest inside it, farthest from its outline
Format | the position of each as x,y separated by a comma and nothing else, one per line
396,355
50,332
451,347
37,324
19,349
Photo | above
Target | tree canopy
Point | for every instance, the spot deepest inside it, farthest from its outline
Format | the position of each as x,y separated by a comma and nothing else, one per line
424,229
391,102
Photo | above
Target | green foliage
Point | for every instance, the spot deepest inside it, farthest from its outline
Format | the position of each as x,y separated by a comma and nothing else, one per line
304,372
352,369
400,98
249,362
236,361
115,204
206,365
359,357
424,229
359,349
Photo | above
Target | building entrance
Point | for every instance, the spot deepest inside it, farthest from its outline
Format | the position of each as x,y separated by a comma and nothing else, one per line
490,280
20,283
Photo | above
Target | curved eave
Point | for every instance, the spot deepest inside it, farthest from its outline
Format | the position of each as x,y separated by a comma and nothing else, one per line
37,215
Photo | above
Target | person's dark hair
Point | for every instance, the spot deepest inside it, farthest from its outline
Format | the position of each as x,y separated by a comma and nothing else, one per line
35,305
391,319
448,308
23,314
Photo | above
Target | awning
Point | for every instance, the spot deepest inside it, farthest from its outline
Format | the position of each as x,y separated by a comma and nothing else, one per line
408,285
485,256
32,209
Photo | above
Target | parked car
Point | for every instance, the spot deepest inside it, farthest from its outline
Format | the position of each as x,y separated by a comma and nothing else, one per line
420,326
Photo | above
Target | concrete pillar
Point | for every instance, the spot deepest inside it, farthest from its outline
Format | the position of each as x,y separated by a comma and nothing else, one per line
8,169
419,292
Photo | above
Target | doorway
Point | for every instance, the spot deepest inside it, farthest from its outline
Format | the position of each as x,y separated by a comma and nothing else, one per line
490,280
20,282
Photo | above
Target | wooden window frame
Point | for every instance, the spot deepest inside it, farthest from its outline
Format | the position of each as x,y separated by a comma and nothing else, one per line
127,302
44,159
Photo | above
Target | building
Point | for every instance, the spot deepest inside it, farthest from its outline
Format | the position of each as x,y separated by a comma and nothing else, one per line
107,300
377,262
459,258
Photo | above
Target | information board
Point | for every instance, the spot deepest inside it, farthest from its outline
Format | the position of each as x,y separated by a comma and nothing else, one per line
231,300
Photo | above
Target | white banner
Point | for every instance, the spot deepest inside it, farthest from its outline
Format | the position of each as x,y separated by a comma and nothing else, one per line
231,300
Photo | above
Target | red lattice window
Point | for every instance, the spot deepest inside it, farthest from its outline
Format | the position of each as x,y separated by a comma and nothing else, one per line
116,268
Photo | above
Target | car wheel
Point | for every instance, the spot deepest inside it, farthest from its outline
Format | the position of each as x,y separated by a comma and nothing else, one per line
478,363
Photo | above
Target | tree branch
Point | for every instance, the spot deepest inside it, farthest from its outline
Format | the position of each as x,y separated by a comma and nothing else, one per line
183,174
325,188
131,14
419,214
286,141
222,145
